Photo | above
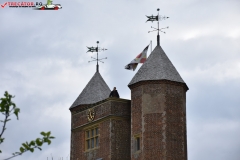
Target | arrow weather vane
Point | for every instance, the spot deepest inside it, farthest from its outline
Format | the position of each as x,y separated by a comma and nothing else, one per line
96,49
157,18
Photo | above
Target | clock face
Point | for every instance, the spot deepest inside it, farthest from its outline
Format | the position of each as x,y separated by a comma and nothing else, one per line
90,114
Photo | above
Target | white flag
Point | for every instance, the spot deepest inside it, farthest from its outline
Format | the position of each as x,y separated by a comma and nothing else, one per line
141,58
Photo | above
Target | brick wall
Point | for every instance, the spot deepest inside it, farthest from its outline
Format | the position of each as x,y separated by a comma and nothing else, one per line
120,139
159,115
113,120
136,120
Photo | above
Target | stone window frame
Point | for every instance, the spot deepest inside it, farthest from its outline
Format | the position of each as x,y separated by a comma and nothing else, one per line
92,138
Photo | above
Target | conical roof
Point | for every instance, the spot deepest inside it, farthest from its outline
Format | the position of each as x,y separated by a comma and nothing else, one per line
157,67
95,91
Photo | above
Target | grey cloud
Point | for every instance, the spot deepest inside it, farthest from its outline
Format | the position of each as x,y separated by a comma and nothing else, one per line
43,61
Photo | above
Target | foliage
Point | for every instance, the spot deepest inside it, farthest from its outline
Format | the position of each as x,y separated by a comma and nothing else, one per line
7,108
30,146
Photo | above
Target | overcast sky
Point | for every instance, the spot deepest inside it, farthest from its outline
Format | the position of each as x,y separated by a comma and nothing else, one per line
43,62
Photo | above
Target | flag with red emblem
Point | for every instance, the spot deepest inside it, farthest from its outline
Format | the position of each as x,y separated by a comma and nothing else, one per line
141,58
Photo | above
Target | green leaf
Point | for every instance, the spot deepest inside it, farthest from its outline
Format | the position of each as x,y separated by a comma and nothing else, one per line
38,141
31,149
43,133
25,146
49,141
16,153
32,143
1,140
8,120
16,111
51,137
48,134
21,149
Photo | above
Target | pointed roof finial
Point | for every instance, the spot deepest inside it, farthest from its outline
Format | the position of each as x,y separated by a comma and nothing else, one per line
96,49
157,18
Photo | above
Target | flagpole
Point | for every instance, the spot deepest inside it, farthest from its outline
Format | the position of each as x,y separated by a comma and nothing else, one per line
151,46
158,37
97,57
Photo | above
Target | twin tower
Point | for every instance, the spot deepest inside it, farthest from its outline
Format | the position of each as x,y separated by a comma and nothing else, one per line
150,126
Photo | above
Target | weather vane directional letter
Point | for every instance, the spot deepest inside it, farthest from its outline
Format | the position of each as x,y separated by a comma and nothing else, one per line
96,49
157,18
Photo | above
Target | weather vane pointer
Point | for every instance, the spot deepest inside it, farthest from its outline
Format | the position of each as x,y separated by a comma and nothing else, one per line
157,18
96,49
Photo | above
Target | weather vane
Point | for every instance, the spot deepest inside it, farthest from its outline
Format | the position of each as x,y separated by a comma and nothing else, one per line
96,49
157,18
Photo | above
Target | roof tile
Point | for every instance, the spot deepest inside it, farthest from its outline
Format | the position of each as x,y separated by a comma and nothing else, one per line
96,90
157,67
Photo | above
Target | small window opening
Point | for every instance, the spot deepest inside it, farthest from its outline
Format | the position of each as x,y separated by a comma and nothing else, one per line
137,143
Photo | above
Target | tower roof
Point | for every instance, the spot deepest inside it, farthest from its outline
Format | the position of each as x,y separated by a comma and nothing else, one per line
96,90
157,67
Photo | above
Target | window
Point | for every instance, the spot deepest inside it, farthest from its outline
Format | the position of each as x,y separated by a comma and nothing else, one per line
92,138
137,143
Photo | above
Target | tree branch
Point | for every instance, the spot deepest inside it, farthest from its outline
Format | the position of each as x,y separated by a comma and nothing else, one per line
33,144
6,108
4,127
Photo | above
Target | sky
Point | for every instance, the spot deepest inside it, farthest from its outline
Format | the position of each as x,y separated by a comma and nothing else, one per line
43,62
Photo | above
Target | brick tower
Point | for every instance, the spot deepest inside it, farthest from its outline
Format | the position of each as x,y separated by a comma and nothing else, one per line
158,110
100,126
